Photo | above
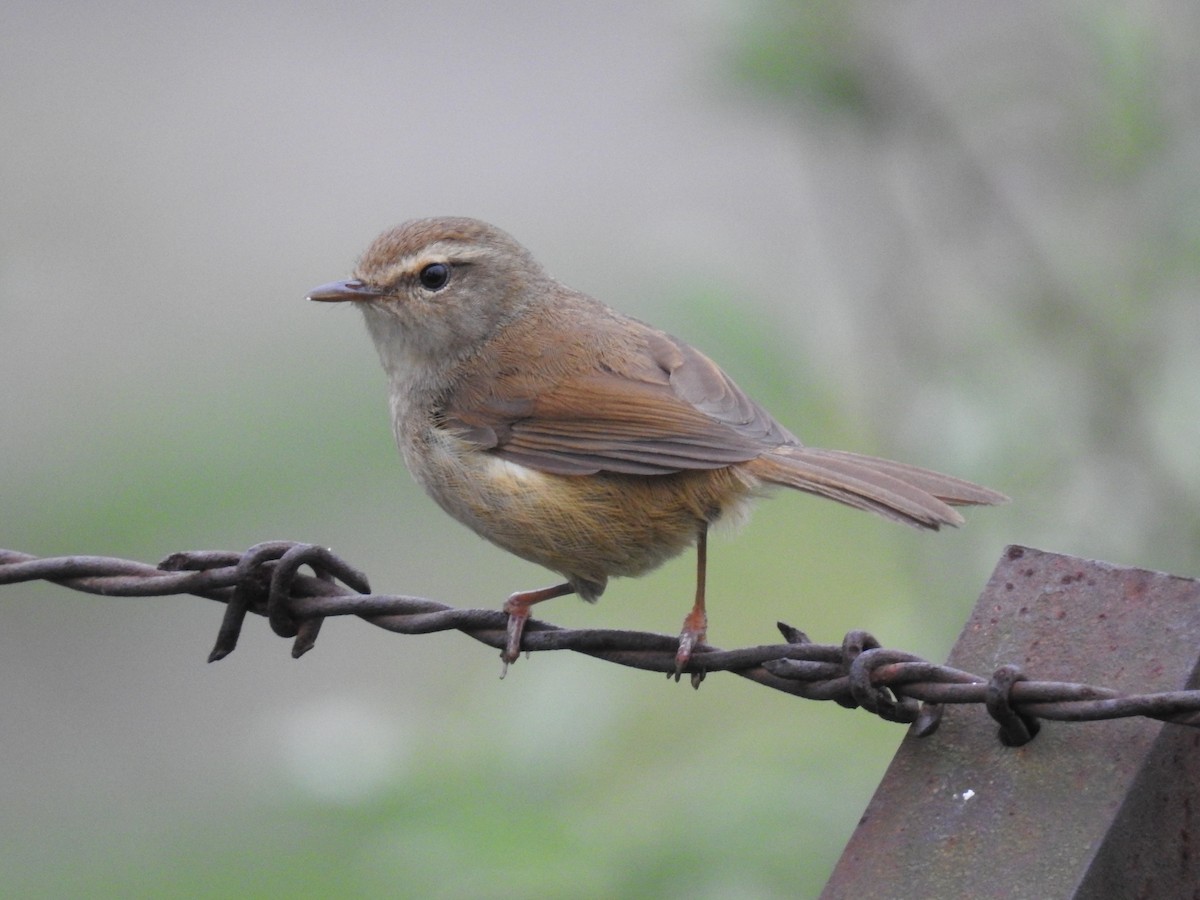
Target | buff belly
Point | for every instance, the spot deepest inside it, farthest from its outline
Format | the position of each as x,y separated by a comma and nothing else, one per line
588,527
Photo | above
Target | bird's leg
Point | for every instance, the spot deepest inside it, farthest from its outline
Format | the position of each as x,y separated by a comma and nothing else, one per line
695,624
517,607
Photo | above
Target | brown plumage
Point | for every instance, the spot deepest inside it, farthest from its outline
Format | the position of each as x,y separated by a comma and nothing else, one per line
576,437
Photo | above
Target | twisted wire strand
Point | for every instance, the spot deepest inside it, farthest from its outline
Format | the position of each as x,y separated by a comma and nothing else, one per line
266,580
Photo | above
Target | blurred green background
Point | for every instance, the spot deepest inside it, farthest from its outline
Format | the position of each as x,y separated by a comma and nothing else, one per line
962,235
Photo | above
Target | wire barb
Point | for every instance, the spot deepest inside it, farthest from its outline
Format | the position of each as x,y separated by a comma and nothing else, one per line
266,580
1016,728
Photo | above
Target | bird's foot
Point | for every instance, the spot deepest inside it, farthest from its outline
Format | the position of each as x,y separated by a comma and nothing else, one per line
518,615
695,629
517,606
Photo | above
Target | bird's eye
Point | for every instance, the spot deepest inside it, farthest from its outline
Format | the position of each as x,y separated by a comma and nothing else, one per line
434,276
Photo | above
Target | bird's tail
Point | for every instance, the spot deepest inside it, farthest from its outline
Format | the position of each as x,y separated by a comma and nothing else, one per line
897,491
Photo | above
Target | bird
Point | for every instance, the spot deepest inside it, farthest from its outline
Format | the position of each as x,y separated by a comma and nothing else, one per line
579,438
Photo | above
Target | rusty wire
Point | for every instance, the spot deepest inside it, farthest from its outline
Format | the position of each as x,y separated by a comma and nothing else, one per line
896,686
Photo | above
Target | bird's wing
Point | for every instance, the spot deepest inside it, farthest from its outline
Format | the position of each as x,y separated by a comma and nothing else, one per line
648,404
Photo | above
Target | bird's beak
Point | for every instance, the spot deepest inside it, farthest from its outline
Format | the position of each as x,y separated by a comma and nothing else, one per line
340,291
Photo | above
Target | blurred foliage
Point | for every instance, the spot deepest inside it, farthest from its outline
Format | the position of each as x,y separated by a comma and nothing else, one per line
1068,163
804,51
1131,128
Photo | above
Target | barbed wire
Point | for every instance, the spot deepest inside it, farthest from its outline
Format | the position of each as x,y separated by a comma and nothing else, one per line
894,685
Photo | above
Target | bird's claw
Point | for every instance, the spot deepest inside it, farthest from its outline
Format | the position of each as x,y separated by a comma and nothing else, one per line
517,616
688,640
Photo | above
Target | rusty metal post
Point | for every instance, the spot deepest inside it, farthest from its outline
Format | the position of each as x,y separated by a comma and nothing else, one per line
1085,810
